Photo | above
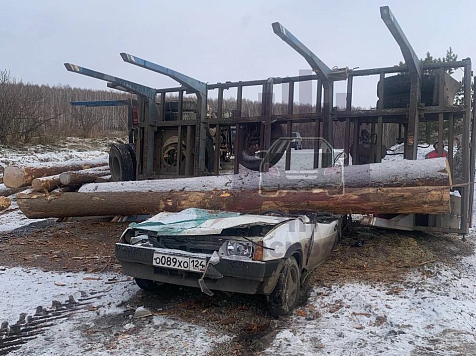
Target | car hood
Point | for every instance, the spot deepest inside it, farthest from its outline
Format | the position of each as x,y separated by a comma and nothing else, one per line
202,222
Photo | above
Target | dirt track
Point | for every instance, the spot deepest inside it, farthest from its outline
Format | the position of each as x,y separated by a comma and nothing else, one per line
367,254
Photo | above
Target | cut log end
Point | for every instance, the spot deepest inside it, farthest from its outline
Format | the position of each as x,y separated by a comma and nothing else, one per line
14,177
4,203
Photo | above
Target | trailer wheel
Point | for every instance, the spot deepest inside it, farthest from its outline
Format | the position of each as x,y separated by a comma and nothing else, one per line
403,100
170,153
209,156
170,157
121,162
132,150
250,144
285,296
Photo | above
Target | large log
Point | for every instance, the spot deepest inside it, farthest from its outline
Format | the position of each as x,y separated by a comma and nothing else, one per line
19,176
429,200
390,188
403,173
84,176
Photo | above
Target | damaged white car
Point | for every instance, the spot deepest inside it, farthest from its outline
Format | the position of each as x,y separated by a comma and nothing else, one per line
267,254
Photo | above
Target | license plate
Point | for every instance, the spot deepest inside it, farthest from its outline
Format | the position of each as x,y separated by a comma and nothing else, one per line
179,262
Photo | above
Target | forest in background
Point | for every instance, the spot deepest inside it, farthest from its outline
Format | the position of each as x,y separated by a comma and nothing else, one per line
43,114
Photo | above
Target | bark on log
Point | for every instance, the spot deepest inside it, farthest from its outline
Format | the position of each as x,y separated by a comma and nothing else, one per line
103,179
5,191
429,200
19,176
71,178
4,202
84,176
404,173
46,184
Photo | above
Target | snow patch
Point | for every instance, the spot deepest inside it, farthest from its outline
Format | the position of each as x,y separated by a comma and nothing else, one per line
434,310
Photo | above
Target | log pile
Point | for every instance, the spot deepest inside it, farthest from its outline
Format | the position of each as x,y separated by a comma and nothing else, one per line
381,188
17,176
67,176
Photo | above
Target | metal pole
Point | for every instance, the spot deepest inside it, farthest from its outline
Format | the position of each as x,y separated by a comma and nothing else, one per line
348,108
290,124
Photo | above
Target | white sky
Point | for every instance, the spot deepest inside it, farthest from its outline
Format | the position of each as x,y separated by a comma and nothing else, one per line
217,41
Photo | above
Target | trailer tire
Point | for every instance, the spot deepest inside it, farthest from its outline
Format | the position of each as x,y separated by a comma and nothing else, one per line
132,150
403,100
121,162
400,84
247,155
209,156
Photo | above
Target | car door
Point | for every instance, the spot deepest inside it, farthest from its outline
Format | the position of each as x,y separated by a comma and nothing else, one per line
321,242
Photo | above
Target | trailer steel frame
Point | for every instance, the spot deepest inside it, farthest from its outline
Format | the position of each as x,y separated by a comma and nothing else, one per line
152,102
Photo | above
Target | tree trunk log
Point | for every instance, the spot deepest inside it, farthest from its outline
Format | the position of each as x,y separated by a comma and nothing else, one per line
84,176
424,200
4,191
46,184
383,188
20,176
404,173
4,202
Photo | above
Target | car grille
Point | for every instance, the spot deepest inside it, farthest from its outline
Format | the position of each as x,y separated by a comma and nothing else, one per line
196,244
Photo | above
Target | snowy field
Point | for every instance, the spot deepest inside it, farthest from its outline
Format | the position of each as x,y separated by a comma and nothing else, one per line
431,313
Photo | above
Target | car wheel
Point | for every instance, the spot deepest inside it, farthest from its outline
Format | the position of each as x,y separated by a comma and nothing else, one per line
146,284
285,296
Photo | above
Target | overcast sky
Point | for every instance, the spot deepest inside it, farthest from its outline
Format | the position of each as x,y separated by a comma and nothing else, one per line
217,41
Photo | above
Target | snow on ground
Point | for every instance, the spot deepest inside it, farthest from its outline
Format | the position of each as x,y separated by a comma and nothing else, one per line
433,311
395,153
22,290
13,218
70,148
44,287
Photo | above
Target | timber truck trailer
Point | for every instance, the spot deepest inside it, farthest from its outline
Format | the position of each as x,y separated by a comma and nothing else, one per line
172,133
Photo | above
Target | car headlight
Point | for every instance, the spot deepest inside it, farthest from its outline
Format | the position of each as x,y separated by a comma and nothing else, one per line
239,248
139,239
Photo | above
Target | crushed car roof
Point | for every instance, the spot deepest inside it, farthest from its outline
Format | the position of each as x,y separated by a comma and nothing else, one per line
195,221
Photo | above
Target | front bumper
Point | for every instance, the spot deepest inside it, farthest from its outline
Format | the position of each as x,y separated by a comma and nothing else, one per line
229,274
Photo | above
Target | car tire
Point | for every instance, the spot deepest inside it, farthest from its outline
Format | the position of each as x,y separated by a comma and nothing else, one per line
286,294
146,284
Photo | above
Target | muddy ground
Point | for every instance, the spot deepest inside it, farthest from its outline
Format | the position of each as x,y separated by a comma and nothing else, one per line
365,254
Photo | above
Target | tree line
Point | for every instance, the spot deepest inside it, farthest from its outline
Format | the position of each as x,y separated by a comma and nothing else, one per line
40,113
